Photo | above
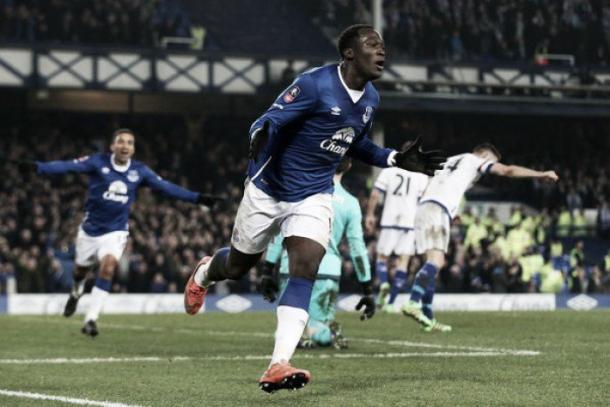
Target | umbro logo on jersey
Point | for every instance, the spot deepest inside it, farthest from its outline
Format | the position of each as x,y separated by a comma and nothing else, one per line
335,111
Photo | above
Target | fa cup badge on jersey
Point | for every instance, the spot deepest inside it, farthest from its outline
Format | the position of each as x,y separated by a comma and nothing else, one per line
133,175
367,114
291,94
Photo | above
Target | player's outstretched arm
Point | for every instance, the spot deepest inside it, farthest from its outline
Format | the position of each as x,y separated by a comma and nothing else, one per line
82,165
177,192
516,171
413,158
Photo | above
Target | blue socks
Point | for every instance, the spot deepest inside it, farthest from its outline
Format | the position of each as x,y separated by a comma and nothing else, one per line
297,293
381,269
398,285
424,281
427,303
103,284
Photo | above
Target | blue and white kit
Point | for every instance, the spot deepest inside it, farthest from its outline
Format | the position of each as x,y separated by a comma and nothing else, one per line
311,126
111,191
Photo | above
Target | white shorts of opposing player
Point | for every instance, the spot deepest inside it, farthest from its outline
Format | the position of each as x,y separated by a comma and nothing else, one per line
432,228
261,216
401,242
92,249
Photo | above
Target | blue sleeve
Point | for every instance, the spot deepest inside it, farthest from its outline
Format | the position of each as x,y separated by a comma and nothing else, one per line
274,249
297,100
172,190
84,164
357,248
365,150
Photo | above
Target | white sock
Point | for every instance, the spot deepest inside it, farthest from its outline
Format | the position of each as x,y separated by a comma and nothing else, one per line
291,322
98,297
201,275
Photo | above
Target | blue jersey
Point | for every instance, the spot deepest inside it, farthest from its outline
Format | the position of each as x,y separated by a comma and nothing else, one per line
112,189
312,125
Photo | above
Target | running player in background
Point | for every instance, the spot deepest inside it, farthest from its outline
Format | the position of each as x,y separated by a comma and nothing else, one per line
102,235
400,191
437,207
322,329
296,146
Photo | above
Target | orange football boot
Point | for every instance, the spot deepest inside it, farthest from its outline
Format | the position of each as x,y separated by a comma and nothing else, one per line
283,376
194,296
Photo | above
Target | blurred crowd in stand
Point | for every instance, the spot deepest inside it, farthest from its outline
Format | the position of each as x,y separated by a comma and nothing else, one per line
92,22
484,30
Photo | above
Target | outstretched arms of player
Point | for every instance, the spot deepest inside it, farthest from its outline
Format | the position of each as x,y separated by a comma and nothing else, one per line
516,171
175,191
83,165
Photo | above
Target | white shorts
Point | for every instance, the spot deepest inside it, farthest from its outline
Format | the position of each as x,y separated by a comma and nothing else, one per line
432,228
398,241
91,249
260,217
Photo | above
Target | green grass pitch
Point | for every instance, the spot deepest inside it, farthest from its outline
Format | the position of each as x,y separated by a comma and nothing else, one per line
509,358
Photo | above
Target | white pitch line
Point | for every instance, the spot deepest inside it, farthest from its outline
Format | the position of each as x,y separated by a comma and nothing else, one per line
82,402
156,359
390,342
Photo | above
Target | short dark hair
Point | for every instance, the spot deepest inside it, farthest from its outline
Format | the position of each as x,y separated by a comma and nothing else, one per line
122,131
344,165
347,37
488,147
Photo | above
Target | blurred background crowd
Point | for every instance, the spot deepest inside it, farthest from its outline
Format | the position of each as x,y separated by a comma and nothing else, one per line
479,30
555,239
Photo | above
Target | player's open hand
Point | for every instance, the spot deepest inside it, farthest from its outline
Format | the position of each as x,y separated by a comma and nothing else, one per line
550,176
209,201
415,159
367,304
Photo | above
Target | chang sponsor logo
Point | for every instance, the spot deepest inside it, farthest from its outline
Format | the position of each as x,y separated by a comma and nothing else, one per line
340,142
117,192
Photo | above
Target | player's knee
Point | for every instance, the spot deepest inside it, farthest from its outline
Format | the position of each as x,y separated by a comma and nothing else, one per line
304,267
108,265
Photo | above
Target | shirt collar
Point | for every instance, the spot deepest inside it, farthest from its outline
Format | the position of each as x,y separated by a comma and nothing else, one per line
118,167
355,95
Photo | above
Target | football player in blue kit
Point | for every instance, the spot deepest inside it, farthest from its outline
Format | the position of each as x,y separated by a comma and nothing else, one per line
113,181
296,146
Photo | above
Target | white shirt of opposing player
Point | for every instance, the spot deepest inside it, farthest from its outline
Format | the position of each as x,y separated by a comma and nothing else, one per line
449,185
402,190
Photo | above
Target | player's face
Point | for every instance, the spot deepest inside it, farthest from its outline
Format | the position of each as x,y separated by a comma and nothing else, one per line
369,54
123,147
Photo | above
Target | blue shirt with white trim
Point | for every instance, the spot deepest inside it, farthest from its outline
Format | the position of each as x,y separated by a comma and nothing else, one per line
312,125
112,189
